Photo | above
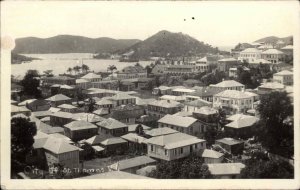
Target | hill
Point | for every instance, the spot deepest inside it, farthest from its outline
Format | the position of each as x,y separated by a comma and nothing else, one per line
273,39
165,43
70,44
18,59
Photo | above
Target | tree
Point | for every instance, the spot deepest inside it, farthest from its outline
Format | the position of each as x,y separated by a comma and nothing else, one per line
275,134
31,84
111,68
85,68
91,105
191,167
22,133
259,166
76,69
48,73
70,70
139,130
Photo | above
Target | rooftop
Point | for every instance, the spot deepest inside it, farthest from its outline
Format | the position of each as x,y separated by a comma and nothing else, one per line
160,131
58,146
228,60
144,171
229,141
198,103
251,50
234,94
113,140
80,125
225,168
227,84
88,117
67,106
91,76
174,140
62,114
104,101
114,175
170,97
177,120
240,121
26,102
284,72
272,85
111,123
132,162
272,51
288,47
58,97
208,153
133,137
15,109
97,139
260,61
205,110
164,103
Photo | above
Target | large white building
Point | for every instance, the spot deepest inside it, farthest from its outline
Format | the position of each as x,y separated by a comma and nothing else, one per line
250,55
284,77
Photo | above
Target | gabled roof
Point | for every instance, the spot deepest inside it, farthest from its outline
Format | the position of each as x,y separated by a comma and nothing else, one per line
174,140
173,98
113,140
88,117
234,94
121,96
225,168
208,153
90,76
41,113
227,84
272,85
59,146
198,103
101,111
206,91
58,97
67,106
205,110
177,120
63,114
132,163
242,121
111,123
53,109
144,171
160,131
26,102
184,114
104,101
15,109
183,90
80,125
284,72
40,139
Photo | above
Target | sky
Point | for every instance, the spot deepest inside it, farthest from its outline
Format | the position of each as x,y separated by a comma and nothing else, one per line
215,23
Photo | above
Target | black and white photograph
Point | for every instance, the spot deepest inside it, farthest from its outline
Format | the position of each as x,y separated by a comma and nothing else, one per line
149,93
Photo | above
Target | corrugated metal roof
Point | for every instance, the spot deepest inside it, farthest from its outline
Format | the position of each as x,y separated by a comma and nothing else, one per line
177,120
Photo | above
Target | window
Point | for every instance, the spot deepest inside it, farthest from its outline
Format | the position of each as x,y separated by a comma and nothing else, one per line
166,152
181,150
196,146
151,148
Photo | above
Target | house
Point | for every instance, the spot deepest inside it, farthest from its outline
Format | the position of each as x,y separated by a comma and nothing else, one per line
229,85
162,90
250,54
273,55
240,125
269,87
211,156
49,81
204,64
35,105
114,145
45,128
174,146
160,108
233,72
127,114
135,142
175,70
122,99
180,99
196,105
97,139
226,63
68,108
114,175
192,83
88,117
231,145
260,63
78,130
106,84
20,110
158,69
206,93
92,77
131,72
83,84
102,112
233,101
188,125
60,118
182,91
240,47
207,117
112,127
132,165
50,150
284,77
225,170
59,99
155,132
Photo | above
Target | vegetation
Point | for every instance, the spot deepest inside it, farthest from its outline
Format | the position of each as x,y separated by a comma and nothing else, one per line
18,59
22,133
192,167
31,84
111,68
91,105
48,73
260,166
214,77
275,133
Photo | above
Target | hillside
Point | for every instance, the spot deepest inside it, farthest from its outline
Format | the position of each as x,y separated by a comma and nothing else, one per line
70,44
18,59
165,43
274,39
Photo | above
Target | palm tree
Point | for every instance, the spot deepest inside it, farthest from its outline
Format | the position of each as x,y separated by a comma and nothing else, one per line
85,68
70,70
111,68
76,69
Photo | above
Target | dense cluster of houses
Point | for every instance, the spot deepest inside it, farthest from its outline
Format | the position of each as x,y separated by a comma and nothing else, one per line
68,133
